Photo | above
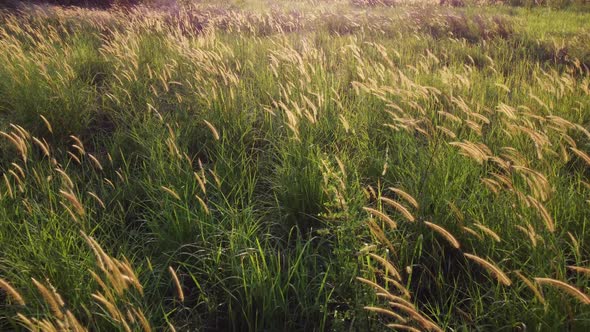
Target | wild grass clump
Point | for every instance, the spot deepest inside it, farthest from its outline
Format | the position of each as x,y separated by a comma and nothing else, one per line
317,165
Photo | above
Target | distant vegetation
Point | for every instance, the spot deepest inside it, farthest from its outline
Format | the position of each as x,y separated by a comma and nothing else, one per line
295,166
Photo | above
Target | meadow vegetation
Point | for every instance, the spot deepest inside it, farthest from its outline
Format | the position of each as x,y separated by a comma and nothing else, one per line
295,165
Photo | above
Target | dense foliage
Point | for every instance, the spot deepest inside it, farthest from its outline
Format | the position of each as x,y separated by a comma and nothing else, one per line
294,165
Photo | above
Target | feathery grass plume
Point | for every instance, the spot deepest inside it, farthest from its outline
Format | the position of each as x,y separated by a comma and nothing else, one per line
11,292
389,268
74,201
171,192
573,291
201,183
215,178
472,150
543,212
341,167
399,327
417,317
47,124
98,200
371,191
74,323
79,145
405,292
213,130
456,211
70,212
582,155
8,186
446,234
380,235
145,325
74,157
26,322
387,312
374,285
50,299
531,286
531,234
494,270
66,178
407,197
179,291
395,298
95,161
19,169
579,269
575,243
382,216
488,231
401,300
203,204
400,208
43,146
112,309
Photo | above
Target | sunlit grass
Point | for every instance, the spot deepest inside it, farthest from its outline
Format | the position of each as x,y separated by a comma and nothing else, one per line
307,165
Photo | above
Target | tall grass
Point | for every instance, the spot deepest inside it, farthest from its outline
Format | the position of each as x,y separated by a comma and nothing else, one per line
319,165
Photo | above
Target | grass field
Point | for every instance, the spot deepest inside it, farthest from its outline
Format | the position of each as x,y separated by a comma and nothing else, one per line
295,166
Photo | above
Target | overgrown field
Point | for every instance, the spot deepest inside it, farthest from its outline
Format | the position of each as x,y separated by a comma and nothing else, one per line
295,166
